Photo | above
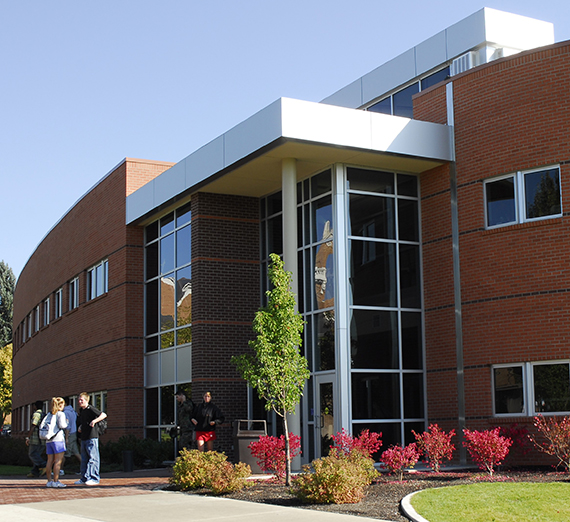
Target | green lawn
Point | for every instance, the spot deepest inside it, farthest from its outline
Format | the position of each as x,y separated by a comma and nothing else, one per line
496,502
14,470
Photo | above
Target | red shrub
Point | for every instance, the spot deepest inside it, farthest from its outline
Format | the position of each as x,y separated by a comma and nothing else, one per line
487,448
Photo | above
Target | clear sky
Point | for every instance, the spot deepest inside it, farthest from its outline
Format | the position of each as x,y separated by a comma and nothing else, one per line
84,84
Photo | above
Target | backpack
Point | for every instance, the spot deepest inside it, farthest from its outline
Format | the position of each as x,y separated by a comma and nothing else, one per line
102,426
48,427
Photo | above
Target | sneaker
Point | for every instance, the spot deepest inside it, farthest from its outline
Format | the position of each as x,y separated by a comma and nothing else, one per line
58,484
91,483
50,484
61,473
79,482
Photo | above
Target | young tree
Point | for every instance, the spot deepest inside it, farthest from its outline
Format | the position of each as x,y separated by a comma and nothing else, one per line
5,382
276,369
7,285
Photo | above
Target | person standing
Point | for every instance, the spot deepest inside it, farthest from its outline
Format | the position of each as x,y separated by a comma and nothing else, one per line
205,418
184,410
71,432
55,447
35,444
88,431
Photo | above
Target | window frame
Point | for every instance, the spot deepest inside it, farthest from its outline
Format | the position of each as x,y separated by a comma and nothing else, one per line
520,202
528,391
95,286
58,303
46,314
74,293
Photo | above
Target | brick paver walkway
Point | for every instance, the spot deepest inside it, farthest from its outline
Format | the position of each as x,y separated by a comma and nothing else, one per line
21,490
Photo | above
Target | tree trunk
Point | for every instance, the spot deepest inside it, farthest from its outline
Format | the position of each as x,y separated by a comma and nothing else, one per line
287,452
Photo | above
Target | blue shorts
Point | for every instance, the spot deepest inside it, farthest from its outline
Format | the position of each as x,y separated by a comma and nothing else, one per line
52,448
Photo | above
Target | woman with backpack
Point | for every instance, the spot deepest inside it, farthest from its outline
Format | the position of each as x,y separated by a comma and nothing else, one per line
55,445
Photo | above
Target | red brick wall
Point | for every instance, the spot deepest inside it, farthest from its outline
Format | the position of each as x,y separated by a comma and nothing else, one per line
510,115
97,346
225,297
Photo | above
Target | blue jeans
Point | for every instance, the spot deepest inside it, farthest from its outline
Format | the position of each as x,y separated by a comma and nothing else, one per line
90,460
35,453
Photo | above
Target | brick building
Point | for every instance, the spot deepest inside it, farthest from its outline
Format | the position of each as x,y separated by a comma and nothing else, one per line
421,210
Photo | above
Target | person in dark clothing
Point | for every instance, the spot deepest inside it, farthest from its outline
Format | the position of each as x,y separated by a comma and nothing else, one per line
185,411
205,418
88,417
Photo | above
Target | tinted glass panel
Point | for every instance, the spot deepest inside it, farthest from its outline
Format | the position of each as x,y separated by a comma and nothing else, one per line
167,306
374,339
407,185
167,254
167,405
542,193
183,215
151,344
274,203
184,246
410,291
166,341
373,273
184,296
324,275
403,105
151,232
151,260
372,216
375,396
509,394
324,353
275,235
390,433
151,406
413,395
500,201
412,340
370,180
322,218
408,225
184,336
167,224
383,106
551,388
152,307
434,78
321,183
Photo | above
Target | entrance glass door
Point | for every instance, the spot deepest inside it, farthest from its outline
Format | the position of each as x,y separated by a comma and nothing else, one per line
324,414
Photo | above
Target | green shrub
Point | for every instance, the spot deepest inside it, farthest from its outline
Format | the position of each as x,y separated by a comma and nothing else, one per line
14,452
145,451
339,478
195,469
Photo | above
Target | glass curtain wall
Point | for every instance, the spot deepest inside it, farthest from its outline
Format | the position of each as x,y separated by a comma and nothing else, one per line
168,318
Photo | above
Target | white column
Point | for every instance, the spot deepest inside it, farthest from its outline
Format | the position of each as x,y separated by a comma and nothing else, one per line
289,198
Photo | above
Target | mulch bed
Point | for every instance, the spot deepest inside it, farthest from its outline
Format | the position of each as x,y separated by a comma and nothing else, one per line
383,498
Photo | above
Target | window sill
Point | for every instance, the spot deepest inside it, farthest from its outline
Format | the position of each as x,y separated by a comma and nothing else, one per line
525,225
96,299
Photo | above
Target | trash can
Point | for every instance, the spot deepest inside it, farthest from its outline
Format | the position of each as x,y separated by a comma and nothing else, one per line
127,461
246,431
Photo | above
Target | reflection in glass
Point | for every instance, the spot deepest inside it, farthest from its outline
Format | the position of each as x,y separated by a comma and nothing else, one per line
407,185
542,193
184,336
412,340
374,339
408,223
403,105
275,235
321,183
410,290
383,106
183,215
551,388
324,275
167,405
274,203
500,197
375,396
370,180
151,232
167,254
373,273
167,224
327,417
167,340
184,296
151,307
152,260
322,218
372,216
184,246
508,382
324,353
167,302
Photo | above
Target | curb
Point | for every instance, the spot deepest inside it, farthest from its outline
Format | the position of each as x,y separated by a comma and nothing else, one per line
409,511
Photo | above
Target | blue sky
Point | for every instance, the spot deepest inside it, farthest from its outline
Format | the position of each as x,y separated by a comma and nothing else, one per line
86,84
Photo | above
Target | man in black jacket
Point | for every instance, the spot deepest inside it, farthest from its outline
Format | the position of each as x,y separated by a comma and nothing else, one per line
205,418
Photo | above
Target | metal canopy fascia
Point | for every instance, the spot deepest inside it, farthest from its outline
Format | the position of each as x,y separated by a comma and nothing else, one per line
246,160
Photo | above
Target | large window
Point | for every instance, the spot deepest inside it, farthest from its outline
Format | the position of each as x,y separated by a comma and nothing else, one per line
523,196
97,280
74,293
58,305
531,388
46,312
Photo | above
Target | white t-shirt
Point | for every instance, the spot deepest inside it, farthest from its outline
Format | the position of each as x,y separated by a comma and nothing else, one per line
61,422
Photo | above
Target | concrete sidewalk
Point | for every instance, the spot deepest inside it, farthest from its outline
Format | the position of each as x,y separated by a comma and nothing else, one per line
137,496
164,505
